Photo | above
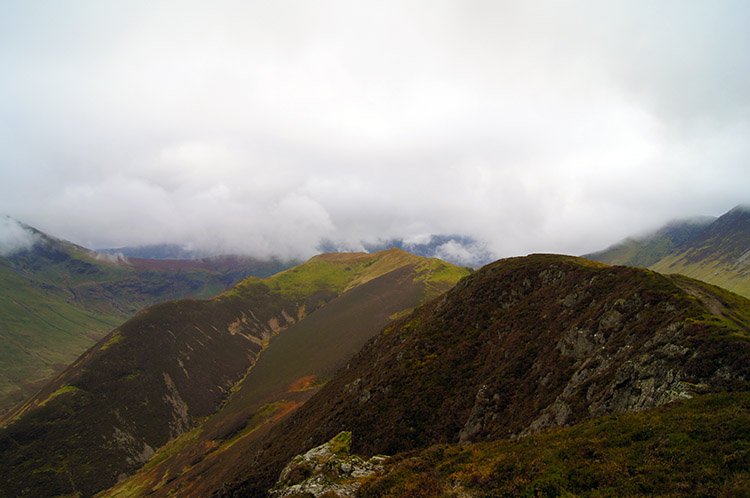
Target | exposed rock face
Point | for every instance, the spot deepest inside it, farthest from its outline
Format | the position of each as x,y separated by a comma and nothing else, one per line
327,469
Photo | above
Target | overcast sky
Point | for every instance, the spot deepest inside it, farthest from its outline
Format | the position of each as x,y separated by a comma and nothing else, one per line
264,127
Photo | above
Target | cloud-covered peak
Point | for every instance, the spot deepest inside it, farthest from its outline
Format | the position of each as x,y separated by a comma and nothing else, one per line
15,237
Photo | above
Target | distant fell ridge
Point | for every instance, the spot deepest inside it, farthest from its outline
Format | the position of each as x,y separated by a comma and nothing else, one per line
167,372
644,251
456,249
522,345
58,299
717,252
157,251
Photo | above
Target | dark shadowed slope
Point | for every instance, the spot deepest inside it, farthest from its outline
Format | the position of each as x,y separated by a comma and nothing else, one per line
158,375
520,346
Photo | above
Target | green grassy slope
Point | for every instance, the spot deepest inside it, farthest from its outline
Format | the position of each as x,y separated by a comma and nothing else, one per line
58,299
520,346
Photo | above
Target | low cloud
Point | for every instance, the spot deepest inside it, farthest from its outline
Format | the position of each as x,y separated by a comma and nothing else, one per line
14,237
265,128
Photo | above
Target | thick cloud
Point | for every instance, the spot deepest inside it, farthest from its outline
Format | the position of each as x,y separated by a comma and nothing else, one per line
14,237
267,127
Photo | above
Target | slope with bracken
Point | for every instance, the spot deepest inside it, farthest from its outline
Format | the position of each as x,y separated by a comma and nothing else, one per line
58,299
521,346
166,370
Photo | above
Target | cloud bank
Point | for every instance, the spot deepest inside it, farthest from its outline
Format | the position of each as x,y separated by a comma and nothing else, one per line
14,237
265,128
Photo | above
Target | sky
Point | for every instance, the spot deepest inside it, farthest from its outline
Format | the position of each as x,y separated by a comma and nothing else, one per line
266,127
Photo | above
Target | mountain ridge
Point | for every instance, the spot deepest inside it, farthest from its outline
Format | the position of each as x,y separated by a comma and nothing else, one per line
153,378
565,340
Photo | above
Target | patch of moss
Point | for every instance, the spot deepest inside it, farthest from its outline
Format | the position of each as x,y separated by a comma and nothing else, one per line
59,392
115,338
341,443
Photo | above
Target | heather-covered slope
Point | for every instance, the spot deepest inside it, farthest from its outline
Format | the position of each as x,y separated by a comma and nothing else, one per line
160,373
720,254
523,345
696,447
58,299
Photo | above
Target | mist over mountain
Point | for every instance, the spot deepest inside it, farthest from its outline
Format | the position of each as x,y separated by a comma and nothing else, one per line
158,251
716,250
645,250
431,162
460,250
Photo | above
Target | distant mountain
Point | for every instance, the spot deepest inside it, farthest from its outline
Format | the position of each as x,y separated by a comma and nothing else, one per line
191,371
713,250
648,249
158,251
719,254
520,346
457,249
58,299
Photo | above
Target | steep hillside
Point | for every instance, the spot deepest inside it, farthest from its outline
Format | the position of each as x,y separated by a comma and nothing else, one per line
646,250
58,299
161,373
520,346
720,254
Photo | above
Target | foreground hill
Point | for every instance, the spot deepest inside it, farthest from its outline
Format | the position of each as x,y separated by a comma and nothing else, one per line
521,346
159,375
696,447
58,299
713,250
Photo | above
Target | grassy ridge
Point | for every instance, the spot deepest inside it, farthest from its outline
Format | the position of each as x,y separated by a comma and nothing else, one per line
296,363
698,447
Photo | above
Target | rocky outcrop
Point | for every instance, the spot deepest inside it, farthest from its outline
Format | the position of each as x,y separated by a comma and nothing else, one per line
327,470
